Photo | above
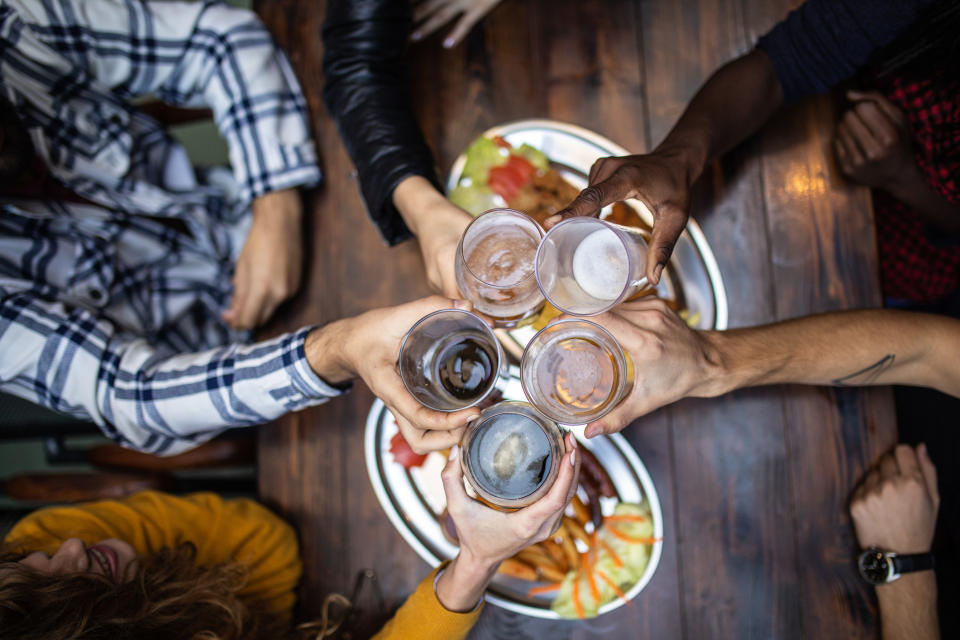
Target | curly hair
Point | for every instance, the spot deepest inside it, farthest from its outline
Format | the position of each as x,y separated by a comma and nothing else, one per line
169,598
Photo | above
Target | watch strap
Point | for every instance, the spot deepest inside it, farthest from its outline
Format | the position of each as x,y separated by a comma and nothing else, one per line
908,563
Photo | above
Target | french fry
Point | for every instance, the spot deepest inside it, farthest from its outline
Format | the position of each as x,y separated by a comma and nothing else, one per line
555,551
536,557
552,574
576,530
569,549
581,512
518,569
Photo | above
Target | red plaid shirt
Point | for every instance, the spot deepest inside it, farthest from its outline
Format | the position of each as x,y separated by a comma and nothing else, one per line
918,263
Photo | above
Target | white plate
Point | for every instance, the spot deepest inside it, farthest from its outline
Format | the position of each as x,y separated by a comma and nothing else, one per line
692,276
413,501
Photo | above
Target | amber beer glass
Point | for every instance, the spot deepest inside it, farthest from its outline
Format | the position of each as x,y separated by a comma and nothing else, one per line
574,372
511,455
495,264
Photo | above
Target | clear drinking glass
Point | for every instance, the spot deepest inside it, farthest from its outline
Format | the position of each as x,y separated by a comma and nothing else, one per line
495,264
586,266
511,454
451,360
574,371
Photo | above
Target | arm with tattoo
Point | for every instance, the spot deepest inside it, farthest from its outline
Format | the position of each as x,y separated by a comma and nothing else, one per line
849,348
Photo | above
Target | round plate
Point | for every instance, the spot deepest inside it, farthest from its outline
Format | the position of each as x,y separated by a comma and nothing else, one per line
692,276
413,499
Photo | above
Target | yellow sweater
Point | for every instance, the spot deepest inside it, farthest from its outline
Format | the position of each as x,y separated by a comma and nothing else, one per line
223,531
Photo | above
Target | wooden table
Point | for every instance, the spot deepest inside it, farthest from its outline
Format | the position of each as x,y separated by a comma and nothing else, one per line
758,542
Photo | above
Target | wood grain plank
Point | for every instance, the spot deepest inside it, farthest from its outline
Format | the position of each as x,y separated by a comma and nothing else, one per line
736,551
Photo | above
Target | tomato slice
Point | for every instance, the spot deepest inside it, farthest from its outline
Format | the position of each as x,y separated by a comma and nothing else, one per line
522,166
403,454
505,181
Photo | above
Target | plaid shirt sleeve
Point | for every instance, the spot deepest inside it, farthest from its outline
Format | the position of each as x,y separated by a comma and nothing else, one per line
139,397
194,54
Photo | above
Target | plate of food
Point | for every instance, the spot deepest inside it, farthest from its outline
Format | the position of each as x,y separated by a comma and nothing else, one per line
604,554
538,167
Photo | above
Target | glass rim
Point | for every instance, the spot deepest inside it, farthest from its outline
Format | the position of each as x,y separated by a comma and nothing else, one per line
463,258
547,425
618,353
501,356
631,262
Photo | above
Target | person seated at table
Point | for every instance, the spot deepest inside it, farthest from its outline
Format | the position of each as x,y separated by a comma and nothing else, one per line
160,566
127,284
903,140
365,91
894,509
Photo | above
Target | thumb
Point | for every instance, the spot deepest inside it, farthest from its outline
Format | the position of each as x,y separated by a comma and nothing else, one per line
452,476
929,473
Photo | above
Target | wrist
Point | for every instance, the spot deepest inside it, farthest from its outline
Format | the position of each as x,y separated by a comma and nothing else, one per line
413,197
720,372
462,584
325,348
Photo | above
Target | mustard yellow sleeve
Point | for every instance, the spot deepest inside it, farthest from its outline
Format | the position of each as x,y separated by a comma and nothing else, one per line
422,617
239,531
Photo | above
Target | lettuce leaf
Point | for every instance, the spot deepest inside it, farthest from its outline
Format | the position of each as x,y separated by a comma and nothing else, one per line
482,154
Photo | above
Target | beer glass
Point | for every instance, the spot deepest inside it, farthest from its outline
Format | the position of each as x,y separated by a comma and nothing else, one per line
450,360
586,266
511,455
494,266
574,372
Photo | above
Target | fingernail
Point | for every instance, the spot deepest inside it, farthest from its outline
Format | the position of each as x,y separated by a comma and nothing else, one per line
591,431
573,441
922,449
448,43
454,451
416,35
573,458
461,304
552,219
657,271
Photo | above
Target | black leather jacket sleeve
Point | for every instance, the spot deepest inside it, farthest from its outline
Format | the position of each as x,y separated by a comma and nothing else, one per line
366,92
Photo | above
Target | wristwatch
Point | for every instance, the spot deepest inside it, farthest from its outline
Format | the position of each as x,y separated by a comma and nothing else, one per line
880,567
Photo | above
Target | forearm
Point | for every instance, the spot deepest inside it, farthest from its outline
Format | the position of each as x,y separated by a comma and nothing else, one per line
852,348
913,190
366,92
733,104
908,608
461,586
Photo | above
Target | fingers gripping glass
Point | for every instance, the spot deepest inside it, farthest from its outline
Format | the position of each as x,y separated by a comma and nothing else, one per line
495,263
450,360
586,266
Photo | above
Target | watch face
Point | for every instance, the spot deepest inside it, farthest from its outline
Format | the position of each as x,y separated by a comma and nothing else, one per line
874,566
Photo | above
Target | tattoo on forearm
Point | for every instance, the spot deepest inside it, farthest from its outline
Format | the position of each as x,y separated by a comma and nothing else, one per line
868,375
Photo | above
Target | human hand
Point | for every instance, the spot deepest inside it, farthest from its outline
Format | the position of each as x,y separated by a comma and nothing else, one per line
438,225
872,144
895,506
430,15
491,536
269,266
657,180
670,360
368,346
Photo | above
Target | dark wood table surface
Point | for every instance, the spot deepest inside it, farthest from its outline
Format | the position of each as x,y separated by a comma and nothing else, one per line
754,485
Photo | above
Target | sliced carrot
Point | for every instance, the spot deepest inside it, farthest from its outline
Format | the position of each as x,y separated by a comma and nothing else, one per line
613,554
547,588
577,606
617,590
594,592
624,518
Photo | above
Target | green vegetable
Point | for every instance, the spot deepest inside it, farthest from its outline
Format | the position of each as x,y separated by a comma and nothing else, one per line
474,198
536,157
482,154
